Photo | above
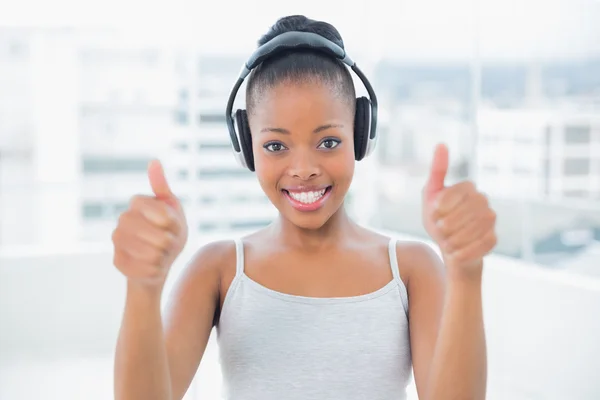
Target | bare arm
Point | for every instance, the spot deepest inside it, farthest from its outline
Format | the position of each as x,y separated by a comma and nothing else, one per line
141,367
446,315
191,313
446,328
156,359
459,365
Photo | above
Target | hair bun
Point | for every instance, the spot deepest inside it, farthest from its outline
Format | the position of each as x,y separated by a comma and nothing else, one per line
300,23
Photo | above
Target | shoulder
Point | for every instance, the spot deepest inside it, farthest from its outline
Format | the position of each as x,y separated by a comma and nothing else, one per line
214,252
213,256
195,294
414,257
419,263
206,266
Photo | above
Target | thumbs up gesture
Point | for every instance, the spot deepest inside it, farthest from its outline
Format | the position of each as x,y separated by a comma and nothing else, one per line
151,233
458,218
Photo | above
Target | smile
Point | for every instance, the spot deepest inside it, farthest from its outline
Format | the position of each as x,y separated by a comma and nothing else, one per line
307,200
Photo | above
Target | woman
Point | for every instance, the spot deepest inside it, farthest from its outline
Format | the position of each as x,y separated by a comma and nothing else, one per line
313,306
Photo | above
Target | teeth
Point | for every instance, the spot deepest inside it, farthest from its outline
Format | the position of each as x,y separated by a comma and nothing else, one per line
307,197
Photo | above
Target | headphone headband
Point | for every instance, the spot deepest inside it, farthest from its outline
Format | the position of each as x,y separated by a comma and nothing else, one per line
291,41
296,40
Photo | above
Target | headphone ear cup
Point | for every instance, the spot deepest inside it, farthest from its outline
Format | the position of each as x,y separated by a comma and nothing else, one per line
245,138
362,124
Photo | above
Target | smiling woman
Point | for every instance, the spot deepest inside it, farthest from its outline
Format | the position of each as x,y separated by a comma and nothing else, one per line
443,71
304,165
308,159
313,305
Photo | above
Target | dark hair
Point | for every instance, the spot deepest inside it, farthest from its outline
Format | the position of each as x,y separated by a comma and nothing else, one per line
300,66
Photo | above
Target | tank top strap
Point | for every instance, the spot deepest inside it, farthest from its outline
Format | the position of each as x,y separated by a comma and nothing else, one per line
394,259
396,273
239,256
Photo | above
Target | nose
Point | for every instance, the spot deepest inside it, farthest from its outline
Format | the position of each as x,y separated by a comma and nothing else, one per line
304,166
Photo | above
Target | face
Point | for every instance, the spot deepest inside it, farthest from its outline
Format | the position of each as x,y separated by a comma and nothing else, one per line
303,144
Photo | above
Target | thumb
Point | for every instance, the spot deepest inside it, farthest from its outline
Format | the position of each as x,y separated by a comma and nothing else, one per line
439,168
158,181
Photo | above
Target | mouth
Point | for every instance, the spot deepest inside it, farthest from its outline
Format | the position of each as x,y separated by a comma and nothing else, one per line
307,200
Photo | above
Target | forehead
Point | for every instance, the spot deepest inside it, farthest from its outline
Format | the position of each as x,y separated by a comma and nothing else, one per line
290,103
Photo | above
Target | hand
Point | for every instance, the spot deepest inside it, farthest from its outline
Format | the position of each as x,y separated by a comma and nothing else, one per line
151,233
458,218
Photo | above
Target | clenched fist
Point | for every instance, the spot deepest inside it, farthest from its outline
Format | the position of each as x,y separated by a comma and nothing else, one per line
458,218
151,233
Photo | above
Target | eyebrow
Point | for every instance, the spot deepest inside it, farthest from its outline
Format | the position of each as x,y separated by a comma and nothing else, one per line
286,132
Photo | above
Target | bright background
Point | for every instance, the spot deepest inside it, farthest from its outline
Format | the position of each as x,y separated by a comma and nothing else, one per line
90,91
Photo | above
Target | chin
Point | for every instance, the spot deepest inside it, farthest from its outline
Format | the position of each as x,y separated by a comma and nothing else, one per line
311,223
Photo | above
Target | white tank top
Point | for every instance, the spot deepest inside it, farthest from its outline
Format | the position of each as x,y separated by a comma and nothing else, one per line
276,346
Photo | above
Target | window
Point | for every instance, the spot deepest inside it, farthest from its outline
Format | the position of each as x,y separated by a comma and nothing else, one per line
577,166
97,165
211,118
92,211
207,226
214,146
577,134
222,173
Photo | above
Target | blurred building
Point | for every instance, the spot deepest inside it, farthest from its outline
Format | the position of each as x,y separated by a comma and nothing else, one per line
125,115
219,194
81,115
538,153
532,144
39,137
16,167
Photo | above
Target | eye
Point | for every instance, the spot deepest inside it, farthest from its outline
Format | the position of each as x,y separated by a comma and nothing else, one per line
274,147
329,144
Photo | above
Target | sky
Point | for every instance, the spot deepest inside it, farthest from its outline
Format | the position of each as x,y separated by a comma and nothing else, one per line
506,29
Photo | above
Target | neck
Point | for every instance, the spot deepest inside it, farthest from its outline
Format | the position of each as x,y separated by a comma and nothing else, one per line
337,227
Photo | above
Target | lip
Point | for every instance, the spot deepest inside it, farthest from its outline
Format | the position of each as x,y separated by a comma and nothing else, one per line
305,188
308,207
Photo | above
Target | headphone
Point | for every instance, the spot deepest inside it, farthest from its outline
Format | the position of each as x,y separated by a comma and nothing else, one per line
365,118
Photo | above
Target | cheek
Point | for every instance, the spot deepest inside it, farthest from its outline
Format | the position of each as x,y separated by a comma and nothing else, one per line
348,159
341,168
266,171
